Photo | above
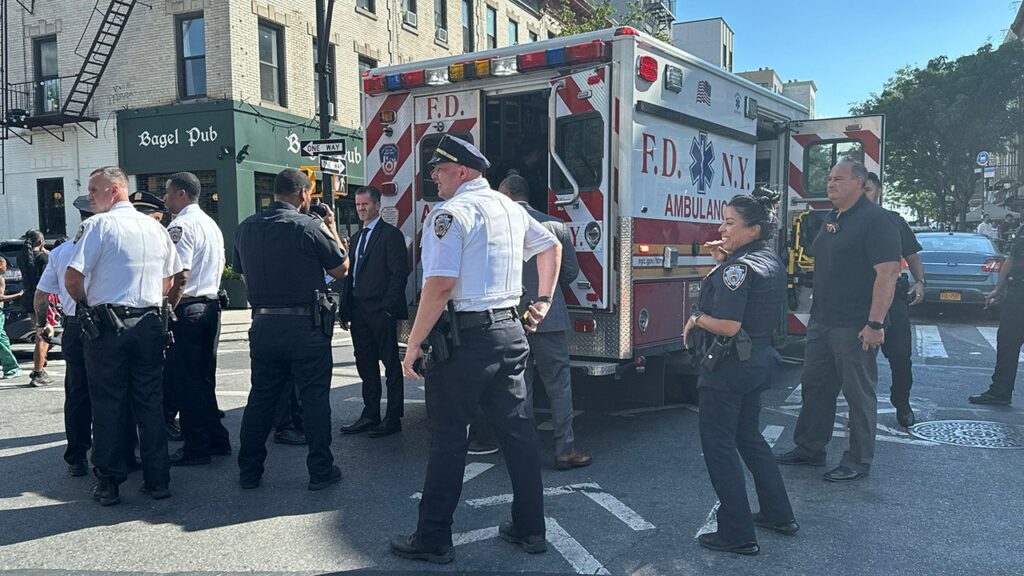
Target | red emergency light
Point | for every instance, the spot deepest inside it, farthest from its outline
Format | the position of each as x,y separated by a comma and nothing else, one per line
647,68
414,79
583,53
626,31
374,85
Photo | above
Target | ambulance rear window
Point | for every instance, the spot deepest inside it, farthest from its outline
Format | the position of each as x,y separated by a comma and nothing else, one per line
579,141
821,156
428,189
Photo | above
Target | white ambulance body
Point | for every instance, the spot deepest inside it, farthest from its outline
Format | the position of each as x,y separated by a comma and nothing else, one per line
644,145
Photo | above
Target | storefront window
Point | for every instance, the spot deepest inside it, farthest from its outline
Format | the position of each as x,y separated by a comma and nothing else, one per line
208,199
264,184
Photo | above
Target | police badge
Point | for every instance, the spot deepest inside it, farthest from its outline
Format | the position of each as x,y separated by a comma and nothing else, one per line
734,275
81,230
175,233
442,222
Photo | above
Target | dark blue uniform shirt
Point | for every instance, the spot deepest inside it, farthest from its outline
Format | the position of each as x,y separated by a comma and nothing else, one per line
749,288
283,254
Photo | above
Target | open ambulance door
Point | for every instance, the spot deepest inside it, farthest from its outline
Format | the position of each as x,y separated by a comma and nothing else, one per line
815,146
579,177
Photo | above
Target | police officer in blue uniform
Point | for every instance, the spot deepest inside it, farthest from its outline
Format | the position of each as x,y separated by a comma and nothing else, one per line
473,253
739,305
282,253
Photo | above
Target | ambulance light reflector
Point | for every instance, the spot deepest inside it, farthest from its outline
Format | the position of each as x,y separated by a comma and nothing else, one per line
673,78
394,81
647,68
455,73
645,248
413,79
374,85
626,31
437,76
504,66
590,52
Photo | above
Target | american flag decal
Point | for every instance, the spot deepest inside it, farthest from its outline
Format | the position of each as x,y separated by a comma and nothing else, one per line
704,92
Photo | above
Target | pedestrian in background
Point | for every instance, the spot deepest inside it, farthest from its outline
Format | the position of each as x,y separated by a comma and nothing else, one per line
898,345
739,303
8,363
856,263
122,266
32,261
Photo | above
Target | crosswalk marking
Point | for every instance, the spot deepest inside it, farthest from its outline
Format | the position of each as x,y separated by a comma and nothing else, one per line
989,334
928,342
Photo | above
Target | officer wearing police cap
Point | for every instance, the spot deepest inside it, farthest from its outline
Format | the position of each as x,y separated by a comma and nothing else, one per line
473,253
282,253
149,204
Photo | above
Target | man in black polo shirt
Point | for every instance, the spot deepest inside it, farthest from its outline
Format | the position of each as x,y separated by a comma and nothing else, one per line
282,254
856,263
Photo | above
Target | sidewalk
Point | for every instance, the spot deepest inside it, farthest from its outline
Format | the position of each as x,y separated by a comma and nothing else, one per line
234,325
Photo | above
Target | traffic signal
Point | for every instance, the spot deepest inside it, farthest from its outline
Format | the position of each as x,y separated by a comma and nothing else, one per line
310,172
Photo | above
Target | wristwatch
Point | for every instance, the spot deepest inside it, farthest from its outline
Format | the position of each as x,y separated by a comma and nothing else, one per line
696,316
546,299
875,325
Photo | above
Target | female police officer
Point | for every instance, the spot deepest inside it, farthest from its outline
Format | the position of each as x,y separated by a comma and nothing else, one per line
740,298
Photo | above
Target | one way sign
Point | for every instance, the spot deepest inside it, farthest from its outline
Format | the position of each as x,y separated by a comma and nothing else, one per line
332,165
318,147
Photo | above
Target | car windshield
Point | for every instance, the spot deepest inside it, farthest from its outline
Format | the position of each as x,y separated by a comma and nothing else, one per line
946,243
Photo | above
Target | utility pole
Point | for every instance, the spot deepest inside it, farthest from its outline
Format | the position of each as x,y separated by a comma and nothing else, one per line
323,71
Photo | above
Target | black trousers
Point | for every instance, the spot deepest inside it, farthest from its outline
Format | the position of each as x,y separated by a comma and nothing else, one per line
77,406
485,372
1009,340
193,361
289,411
898,348
125,372
285,350
375,341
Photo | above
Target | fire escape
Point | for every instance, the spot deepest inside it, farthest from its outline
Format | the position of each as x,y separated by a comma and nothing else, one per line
38,103
659,15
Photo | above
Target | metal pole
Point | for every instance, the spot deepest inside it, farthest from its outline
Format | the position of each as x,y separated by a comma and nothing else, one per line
323,69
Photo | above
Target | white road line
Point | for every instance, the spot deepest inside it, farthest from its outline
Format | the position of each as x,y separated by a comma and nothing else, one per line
635,411
555,491
928,342
771,435
473,469
474,536
384,400
618,509
570,549
8,452
796,395
989,334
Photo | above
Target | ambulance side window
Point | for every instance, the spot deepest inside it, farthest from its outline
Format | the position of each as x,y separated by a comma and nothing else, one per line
579,141
427,147
821,156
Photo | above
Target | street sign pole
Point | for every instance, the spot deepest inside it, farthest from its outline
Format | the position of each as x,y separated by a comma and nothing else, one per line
323,69
982,161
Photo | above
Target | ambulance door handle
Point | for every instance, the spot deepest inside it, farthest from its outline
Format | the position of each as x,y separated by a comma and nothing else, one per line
552,125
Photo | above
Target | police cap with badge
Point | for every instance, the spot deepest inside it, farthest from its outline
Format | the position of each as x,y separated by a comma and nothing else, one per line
458,151
147,203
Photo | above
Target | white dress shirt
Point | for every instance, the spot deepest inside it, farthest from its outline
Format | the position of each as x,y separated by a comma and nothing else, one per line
52,280
200,246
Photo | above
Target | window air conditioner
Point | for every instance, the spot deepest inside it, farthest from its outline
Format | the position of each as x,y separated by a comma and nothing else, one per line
441,34
410,18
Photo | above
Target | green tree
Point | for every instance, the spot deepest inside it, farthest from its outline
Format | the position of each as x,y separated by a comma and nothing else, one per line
939,117
603,15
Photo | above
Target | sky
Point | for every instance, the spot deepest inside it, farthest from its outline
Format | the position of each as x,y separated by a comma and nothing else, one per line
849,49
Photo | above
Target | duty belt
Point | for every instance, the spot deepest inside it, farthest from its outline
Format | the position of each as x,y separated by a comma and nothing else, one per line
196,300
124,312
470,320
282,311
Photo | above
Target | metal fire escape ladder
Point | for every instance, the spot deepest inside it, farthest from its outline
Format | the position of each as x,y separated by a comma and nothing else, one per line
96,60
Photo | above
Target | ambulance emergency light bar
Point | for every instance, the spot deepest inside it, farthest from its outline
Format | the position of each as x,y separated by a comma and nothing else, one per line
596,51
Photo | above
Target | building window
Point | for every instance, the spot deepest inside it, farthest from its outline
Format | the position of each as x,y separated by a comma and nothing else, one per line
492,27
533,37
467,26
409,16
441,14
191,57
272,85
209,200
513,32
332,82
47,87
368,5
365,65
51,207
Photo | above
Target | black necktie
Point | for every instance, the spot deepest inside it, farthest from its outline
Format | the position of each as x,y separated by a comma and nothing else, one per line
362,246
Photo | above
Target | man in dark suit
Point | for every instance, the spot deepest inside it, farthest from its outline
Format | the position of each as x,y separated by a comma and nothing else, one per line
373,303
549,345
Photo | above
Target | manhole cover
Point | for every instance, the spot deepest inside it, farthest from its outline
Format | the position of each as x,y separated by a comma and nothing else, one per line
971,433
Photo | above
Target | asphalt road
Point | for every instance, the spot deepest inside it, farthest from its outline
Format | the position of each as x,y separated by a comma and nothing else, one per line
927,508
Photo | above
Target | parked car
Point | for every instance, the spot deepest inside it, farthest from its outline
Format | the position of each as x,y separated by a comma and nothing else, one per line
959,267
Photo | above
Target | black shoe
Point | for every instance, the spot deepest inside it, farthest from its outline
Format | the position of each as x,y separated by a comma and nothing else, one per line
387,427
173,432
249,483
715,542
133,465
78,468
156,493
796,458
291,437
182,458
534,544
361,425
332,478
843,474
106,493
407,547
481,448
905,416
988,397
787,528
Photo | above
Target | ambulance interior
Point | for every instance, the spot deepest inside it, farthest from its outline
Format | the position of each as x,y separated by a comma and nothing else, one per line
515,138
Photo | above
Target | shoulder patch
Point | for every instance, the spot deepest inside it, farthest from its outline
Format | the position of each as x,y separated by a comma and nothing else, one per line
734,275
78,236
175,233
442,223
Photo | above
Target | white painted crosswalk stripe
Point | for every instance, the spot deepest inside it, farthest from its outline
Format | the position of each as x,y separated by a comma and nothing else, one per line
989,334
928,342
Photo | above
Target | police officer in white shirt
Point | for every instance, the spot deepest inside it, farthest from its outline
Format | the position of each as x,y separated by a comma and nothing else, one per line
77,407
193,357
473,254
122,266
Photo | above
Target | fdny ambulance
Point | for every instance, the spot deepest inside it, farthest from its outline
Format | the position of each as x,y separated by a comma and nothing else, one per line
637,146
